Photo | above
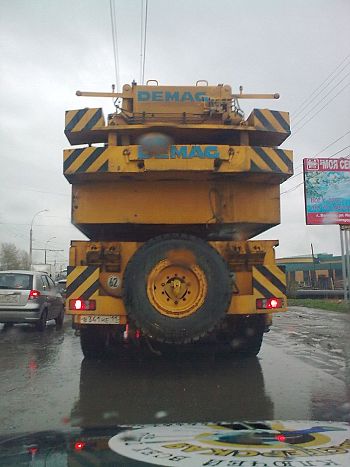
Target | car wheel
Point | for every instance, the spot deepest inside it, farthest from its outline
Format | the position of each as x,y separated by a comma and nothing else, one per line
41,324
60,319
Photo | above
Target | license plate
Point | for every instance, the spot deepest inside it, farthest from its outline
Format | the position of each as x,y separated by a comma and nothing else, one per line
8,298
92,319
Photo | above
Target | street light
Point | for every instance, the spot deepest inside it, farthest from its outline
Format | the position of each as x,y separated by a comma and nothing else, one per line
31,236
47,241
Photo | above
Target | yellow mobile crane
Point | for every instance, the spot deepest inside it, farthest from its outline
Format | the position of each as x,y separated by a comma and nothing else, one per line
169,191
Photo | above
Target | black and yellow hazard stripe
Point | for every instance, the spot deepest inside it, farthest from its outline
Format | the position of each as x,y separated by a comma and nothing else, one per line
85,160
271,160
83,120
82,282
269,281
271,120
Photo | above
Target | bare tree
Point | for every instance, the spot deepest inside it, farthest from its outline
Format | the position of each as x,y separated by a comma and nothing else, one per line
24,259
13,258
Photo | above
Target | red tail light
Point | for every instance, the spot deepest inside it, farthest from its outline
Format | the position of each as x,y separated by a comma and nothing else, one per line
79,445
280,438
269,303
33,294
33,450
79,304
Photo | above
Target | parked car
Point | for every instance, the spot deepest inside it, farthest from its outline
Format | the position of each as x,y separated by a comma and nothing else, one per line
30,297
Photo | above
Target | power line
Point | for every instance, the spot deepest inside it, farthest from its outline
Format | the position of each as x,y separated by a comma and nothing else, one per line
323,107
144,43
326,147
292,189
320,101
331,144
340,150
301,172
115,41
302,106
141,39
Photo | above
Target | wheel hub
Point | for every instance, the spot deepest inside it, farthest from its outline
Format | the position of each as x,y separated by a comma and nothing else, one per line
176,290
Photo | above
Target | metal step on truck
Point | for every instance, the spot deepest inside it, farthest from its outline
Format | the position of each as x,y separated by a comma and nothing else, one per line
170,190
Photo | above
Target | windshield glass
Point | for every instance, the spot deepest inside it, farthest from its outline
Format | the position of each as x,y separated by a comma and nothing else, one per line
16,281
175,226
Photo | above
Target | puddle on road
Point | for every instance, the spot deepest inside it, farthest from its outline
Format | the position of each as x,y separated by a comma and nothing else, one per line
47,381
319,338
275,386
300,391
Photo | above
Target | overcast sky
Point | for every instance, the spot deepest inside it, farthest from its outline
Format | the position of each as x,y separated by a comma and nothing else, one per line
51,48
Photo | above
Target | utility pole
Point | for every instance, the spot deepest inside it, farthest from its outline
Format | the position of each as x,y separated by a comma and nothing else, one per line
314,279
47,241
31,237
45,250
345,254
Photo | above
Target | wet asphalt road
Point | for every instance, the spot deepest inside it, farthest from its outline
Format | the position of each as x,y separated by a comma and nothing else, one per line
302,372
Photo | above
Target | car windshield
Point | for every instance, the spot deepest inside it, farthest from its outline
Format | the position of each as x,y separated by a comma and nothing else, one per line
175,224
16,281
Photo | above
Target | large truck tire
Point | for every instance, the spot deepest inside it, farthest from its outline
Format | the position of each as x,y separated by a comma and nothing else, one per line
94,341
177,288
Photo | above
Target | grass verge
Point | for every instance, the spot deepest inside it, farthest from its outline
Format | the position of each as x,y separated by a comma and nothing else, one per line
323,304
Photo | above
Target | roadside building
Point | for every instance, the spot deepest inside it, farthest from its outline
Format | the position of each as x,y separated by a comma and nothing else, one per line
323,271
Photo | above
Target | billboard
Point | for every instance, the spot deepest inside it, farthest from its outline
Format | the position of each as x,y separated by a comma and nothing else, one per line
327,191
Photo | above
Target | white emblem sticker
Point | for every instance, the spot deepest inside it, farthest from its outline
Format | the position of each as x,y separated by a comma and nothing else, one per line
113,282
243,444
